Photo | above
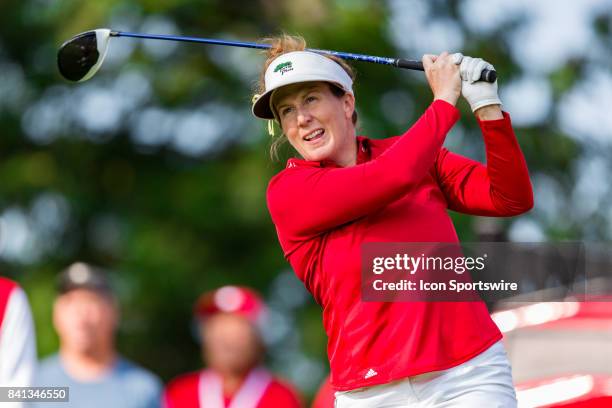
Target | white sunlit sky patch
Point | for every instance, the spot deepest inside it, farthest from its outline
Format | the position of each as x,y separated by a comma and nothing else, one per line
26,234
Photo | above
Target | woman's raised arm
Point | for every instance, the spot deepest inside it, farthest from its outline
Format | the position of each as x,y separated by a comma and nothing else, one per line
306,201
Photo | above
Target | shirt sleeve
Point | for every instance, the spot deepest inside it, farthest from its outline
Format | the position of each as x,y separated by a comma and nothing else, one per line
306,201
501,188
17,342
281,394
325,396
182,392
148,388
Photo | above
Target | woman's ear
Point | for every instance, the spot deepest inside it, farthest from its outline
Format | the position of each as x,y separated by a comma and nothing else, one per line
348,104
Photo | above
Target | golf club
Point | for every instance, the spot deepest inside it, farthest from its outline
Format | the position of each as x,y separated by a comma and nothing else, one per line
79,58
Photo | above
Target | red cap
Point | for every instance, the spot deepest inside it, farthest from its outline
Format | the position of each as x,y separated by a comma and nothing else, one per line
230,299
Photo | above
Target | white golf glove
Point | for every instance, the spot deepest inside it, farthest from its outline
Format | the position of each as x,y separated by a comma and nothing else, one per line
477,93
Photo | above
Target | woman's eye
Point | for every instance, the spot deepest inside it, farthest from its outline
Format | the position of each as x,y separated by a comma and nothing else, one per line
285,111
310,99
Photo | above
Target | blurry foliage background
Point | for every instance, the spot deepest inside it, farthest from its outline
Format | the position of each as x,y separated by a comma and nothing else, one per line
156,170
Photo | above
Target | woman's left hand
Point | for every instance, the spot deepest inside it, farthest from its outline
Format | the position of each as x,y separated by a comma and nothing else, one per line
479,94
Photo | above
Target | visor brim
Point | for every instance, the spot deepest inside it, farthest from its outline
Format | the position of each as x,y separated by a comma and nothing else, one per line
261,107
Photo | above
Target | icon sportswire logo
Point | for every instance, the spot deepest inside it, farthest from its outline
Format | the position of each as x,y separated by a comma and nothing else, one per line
284,67
371,373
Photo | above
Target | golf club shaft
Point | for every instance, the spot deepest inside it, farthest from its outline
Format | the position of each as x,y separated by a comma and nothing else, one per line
487,75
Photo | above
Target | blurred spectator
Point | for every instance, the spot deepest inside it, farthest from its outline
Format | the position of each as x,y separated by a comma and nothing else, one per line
325,396
17,340
233,351
86,316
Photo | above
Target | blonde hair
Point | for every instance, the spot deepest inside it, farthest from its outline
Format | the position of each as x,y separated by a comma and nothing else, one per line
283,44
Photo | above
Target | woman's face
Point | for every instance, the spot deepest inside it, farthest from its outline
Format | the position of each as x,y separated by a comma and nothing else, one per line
317,123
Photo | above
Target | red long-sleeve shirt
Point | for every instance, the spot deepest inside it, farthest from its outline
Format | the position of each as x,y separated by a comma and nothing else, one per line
399,191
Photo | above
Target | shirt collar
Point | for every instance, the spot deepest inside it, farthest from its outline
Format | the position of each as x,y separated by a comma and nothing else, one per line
364,154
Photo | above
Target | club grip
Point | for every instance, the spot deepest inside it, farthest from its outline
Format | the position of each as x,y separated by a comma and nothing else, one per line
487,75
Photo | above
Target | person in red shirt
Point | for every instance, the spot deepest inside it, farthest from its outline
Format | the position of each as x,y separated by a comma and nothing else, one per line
325,395
233,350
346,190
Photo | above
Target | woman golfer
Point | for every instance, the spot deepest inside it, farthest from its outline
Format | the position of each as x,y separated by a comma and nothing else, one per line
347,189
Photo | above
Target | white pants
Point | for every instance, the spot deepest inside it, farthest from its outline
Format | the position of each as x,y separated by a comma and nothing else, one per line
483,381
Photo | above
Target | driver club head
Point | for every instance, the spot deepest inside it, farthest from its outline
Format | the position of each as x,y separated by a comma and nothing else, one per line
79,58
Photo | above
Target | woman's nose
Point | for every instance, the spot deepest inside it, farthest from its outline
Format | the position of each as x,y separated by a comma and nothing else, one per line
303,117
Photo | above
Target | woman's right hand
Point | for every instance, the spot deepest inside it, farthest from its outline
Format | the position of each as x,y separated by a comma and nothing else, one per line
443,75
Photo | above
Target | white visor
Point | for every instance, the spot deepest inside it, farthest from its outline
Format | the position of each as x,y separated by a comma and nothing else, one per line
295,67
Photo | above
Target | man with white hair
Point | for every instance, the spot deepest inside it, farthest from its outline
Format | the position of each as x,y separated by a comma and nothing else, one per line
86,317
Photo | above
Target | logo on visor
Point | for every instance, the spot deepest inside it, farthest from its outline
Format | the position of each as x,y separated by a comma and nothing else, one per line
284,67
